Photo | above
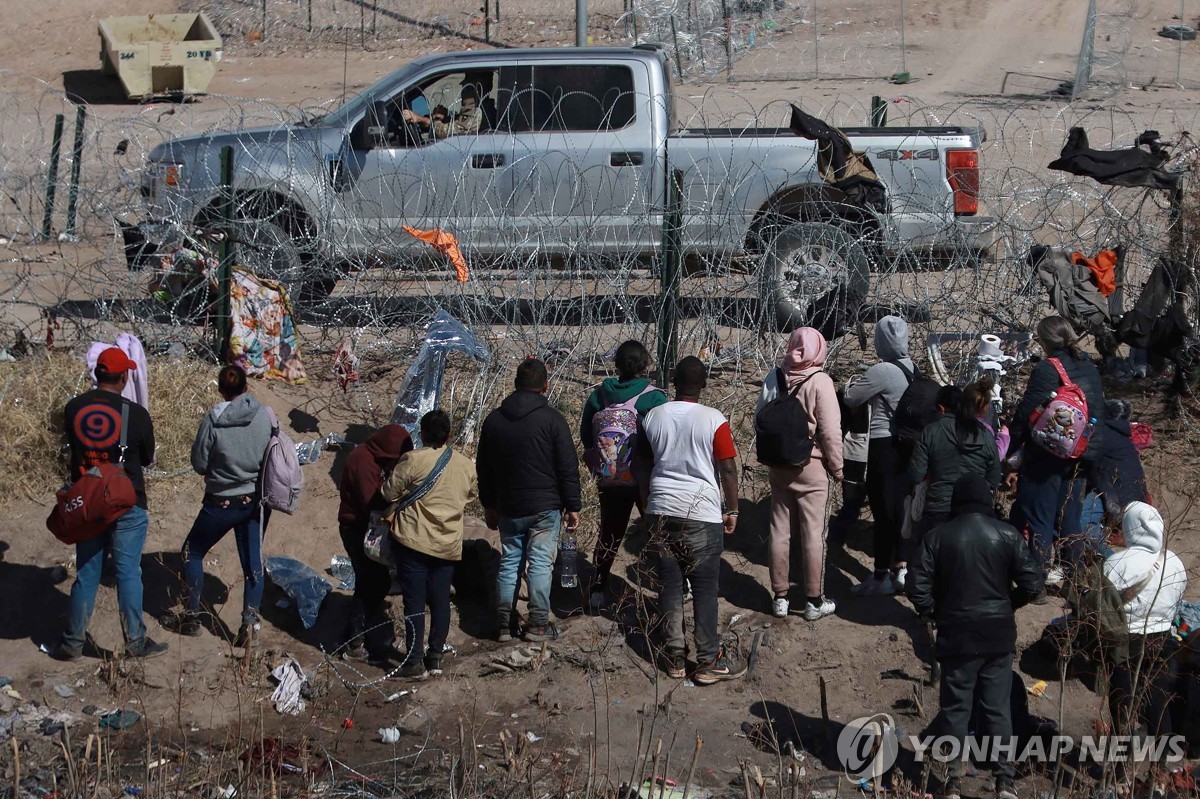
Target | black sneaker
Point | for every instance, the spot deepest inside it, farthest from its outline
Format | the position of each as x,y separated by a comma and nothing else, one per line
504,625
675,666
952,789
414,670
64,653
189,625
1005,788
356,654
721,669
147,649
433,663
247,637
542,632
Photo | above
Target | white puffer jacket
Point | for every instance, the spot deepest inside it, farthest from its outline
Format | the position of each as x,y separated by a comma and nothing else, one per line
1154,608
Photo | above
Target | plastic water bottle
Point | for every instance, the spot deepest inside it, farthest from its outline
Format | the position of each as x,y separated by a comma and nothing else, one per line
568,559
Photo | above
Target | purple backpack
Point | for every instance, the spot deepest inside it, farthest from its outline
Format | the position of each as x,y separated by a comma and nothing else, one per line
281,479
614,431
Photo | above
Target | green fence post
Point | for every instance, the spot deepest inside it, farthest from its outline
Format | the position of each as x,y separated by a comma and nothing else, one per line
878,112
76,165
671,271
52,176
226,276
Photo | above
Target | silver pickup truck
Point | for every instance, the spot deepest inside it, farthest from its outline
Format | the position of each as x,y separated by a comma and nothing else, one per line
551,154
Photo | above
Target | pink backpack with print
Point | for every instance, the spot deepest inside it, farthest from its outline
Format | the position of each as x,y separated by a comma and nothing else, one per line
1062,425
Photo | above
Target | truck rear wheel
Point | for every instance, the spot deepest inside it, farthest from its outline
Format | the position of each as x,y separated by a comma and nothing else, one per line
814,274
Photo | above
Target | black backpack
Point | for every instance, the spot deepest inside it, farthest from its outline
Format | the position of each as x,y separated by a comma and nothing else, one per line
917,407
781,427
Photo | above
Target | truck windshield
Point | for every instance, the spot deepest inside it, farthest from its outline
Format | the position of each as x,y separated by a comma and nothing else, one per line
357,105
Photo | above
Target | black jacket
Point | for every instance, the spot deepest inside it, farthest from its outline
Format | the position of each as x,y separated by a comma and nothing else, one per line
944,455
1043,382
1116,473
93,426
526,461
963,576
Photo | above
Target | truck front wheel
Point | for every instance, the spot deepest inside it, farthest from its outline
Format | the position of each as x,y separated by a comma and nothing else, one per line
814,274
268,251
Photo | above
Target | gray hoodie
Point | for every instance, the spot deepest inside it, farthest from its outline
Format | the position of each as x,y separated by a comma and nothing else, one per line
884,383
230,446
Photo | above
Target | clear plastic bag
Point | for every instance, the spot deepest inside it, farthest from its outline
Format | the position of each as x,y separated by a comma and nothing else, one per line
422,388
303,584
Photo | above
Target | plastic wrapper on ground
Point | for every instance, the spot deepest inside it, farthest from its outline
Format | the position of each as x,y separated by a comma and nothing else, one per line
304,585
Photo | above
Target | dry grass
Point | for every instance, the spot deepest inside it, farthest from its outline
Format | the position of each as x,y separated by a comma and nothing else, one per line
33,392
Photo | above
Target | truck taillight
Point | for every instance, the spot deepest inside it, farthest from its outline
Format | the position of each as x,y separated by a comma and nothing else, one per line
962,170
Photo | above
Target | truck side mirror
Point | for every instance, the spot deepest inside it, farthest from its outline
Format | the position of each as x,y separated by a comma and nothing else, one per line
371,130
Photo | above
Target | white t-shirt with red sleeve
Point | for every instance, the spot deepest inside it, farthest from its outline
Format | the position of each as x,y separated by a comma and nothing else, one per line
687,439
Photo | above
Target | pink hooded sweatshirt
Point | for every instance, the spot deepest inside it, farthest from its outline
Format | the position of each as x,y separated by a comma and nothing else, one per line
805,358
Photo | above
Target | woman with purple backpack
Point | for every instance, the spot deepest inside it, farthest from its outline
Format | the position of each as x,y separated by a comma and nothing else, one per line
1051,484
607,430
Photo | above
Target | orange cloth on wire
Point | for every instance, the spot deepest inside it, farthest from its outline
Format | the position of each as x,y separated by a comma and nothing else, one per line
1102,267
445,243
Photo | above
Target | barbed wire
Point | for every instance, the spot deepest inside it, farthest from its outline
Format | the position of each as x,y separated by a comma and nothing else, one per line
575,308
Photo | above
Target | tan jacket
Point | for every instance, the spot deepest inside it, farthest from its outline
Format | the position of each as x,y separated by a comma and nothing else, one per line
433,524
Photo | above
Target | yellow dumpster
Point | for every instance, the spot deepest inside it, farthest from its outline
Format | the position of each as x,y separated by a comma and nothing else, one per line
160,55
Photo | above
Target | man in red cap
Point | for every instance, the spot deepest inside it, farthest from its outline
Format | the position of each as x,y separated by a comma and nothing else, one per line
93,422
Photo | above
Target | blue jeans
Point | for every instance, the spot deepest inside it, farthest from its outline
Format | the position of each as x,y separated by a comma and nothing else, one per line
210,527
1049,504
124,541
1092,525
530,543
424,580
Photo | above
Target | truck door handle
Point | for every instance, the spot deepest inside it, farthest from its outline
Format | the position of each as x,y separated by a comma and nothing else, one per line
486,160
625,159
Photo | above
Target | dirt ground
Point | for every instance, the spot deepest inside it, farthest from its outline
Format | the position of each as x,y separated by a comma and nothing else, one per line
597,692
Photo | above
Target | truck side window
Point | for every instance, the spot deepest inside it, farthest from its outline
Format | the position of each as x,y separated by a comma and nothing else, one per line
582,98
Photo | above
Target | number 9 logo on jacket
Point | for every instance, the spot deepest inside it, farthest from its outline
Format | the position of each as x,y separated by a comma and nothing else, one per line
97,426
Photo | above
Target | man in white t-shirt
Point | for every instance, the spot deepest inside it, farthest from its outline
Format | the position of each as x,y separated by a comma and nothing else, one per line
686,465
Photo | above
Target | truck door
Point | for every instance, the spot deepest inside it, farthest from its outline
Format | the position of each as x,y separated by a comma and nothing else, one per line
584,157
442,167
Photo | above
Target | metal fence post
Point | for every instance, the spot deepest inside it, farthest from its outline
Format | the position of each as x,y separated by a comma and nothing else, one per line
76,159
671,272
52,176
224,311
878,112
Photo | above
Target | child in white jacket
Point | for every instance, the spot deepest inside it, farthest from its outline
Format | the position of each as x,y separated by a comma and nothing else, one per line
1152,581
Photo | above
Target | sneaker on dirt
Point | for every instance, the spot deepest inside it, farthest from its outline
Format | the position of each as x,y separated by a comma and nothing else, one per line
779,607
813,613
720,670
149,648
543,632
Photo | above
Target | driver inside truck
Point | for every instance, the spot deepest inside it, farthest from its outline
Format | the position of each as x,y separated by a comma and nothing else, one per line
442,124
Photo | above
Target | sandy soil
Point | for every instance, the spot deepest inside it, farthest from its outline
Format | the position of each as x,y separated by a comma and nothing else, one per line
871,655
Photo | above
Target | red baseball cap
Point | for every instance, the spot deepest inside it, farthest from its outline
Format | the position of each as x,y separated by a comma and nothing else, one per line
114,361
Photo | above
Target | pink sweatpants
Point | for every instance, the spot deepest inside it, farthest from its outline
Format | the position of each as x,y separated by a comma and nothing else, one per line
799,509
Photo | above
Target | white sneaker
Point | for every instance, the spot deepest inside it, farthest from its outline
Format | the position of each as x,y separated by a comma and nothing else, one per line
813,613
899,576
779,608
1055,578
876,586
